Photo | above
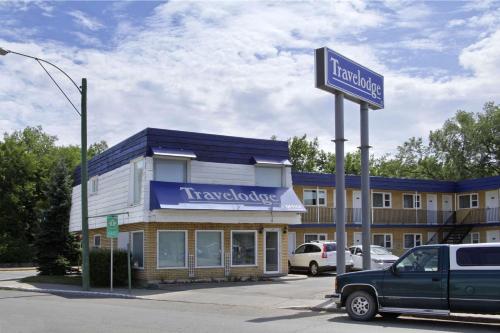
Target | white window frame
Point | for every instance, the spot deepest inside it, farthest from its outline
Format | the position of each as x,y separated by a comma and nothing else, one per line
385,239
416,198
132,182
280,167
196,248
316,234
475,233
143,247
414,240
188,165
256,247
100,241
93,185
383,200
470,200
186,241
317,197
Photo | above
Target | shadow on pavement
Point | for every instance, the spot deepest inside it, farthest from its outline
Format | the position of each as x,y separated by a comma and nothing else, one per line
446,324
298,315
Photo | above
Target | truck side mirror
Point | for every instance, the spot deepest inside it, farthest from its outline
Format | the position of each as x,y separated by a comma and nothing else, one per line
394,270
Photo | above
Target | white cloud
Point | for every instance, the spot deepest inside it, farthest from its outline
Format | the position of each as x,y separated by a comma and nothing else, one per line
84,20
239,69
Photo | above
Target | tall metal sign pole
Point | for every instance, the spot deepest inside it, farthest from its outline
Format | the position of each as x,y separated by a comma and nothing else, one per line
346,78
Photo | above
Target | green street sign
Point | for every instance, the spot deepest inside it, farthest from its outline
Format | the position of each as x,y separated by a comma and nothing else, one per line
112,226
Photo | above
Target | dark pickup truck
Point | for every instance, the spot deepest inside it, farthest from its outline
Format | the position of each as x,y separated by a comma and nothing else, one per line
430,279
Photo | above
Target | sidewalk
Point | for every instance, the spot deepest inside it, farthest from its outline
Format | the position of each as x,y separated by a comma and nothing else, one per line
271,294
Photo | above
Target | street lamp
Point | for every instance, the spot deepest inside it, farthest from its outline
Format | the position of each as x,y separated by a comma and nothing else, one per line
83,185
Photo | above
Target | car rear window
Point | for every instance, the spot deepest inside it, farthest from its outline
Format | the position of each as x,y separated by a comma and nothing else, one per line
478,256
331,247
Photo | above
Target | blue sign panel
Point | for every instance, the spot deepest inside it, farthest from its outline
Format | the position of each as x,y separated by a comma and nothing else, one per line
335,72
223,197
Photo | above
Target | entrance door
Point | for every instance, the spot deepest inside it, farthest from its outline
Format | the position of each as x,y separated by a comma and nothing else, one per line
272,251
356,206
292,242
431,208
492,236
447,207
357,238
492,206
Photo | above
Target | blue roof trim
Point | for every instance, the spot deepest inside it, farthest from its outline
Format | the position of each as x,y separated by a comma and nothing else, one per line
378,183
358,226
487,183
206,147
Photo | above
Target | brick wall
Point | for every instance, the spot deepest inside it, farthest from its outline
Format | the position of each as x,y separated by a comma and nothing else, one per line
150,272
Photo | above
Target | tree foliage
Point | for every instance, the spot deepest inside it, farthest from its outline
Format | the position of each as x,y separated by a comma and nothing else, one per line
466,146
28,160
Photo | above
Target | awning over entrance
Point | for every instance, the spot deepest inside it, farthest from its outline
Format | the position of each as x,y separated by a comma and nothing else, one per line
167,195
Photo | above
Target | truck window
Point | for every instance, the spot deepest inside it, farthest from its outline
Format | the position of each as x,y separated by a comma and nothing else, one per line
420,260
478,256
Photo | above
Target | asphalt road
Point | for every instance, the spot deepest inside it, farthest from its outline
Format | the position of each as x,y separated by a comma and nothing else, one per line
34,312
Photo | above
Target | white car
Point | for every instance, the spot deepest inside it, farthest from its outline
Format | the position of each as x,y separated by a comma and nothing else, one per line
316,257
380,257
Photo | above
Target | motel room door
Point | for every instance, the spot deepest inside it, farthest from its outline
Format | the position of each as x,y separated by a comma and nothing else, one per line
356,206
271,251
492,214
447,207
431,208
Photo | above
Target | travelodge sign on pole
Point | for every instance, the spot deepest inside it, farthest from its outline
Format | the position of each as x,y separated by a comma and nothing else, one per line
335,72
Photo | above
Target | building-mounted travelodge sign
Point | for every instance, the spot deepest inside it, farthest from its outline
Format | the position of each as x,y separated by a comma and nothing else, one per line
168,195
335,72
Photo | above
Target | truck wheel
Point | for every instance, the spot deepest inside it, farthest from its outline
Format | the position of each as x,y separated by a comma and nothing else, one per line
390,315
313,268
361,306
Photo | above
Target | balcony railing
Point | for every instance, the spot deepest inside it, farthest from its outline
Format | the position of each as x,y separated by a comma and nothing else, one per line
404,216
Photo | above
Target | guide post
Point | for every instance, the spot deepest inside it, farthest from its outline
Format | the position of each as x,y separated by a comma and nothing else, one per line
112,233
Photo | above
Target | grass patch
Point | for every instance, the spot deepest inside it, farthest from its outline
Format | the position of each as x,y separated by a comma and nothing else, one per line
57,279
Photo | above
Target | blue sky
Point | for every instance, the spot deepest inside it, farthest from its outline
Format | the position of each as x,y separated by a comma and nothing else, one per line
246,68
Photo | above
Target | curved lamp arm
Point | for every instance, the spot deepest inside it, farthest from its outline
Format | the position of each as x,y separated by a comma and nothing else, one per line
39,60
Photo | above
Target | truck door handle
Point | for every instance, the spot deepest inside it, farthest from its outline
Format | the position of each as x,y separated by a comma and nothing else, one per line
436,279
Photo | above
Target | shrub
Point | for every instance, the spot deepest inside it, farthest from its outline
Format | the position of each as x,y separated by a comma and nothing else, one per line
59,266
100,260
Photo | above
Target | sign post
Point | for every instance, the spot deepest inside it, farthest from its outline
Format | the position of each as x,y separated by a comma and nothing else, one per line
112,230
346,78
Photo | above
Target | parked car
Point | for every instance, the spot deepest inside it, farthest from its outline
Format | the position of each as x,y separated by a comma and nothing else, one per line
380,257
430,280
316,257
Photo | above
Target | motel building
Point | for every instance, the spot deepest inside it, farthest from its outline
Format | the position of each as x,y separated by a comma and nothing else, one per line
197,206
201,206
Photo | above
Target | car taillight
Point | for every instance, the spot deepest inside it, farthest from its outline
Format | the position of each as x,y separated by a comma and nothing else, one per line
325,253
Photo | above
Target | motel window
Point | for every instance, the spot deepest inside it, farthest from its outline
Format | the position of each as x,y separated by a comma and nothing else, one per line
209,248
381,200
172,249
412,240
432,237
468,201
315,197
97,241
93,185
314,237
138,173
472,238
243,248
136,248
169,170
269,176
411,200
384,240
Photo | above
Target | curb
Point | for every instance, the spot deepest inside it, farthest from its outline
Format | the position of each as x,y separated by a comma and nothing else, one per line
74,292
17,269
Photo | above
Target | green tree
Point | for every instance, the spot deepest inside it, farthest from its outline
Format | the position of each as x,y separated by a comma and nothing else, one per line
54,240
97,148
304,153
